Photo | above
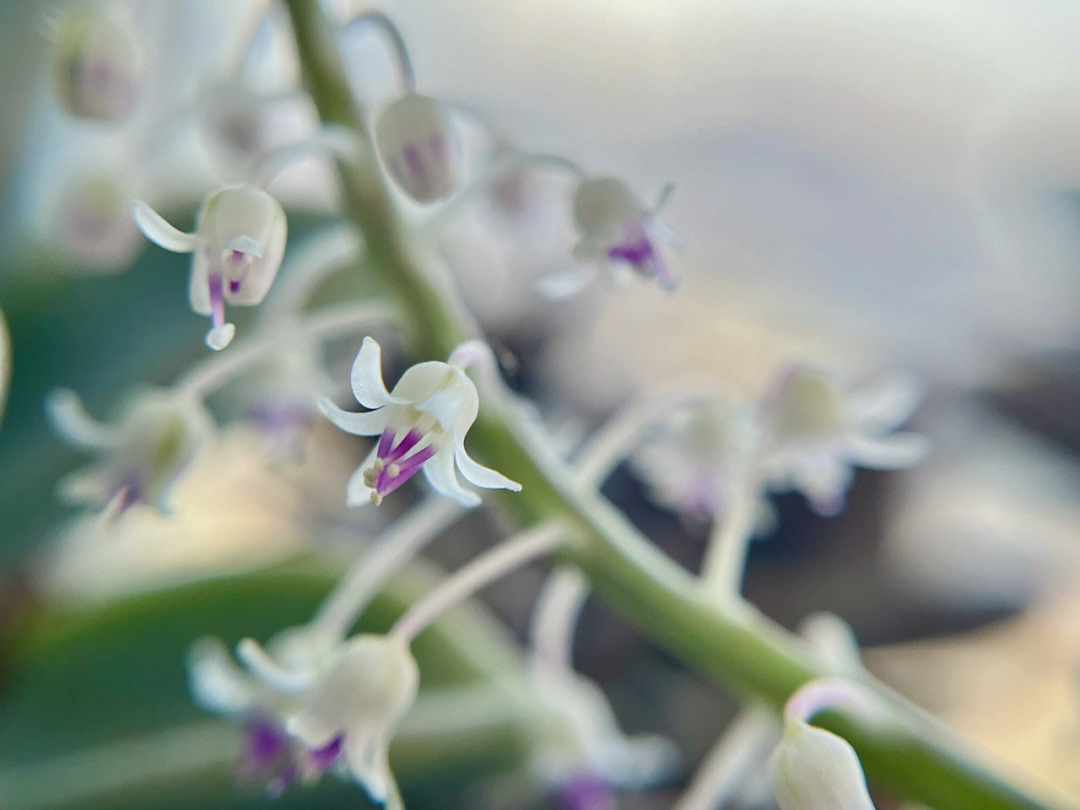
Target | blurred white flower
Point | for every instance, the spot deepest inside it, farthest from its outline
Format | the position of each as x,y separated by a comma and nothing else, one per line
695,457
238,242
317,702
617,229
420,147
98,60
816,429
580,746
420,424
142,455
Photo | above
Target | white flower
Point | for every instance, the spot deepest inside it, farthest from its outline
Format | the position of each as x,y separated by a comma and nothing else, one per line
421,423
156,437
98,61
418,143
313,703
616,228
579,742
817,429
239,242
694,460
813,769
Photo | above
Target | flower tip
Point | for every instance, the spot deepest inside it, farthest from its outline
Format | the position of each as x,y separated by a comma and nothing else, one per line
220,336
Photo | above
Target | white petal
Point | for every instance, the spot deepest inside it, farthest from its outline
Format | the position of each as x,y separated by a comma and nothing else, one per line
369,761
480,475
565,283
896,451
245,244
217,684
220,336
889,403
440,473
160,232
269,671
71,420
366,377
371,423
357,493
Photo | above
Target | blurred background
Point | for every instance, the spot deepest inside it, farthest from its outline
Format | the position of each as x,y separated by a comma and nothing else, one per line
869,187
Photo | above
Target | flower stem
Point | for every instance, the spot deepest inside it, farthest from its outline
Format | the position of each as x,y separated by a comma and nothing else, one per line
914,758
219,369
485,569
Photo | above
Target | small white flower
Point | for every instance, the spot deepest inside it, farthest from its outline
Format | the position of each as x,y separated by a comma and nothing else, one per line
98,62
421,423
617,229
813,769
313,703
817,429
580,744
418,143
151,444
693,461
239,242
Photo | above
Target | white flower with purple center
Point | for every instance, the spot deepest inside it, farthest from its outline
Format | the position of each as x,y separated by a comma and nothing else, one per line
312,704
816,430
420,147
143,454
618,230
238,242
420,424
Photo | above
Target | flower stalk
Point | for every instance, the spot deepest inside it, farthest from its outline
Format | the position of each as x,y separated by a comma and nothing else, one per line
912,757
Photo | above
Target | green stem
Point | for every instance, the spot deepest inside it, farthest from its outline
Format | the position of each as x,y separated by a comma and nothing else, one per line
912,758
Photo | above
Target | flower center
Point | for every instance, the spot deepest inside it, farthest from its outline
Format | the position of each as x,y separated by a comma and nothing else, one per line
398,459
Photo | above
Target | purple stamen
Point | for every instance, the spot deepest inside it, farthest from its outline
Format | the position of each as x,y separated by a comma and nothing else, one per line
387,483
637,253
322,759
407,443
217,300
234,286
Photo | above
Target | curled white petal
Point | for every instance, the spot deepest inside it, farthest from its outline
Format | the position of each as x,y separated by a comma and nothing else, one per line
440,473
366,376
217,683
71,420
369,423
895,451
160,232
480,475
264,667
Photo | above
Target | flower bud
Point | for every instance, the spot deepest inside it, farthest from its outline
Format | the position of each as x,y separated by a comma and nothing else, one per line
420,147
98,61
813,769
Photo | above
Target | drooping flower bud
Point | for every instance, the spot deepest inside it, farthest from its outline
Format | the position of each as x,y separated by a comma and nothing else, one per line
814,769
238,242
420,147
98,62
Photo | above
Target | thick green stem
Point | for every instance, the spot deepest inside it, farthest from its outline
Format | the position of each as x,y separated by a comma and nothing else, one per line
912,757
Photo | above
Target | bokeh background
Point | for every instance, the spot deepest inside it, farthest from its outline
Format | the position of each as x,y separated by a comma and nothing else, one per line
866,186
